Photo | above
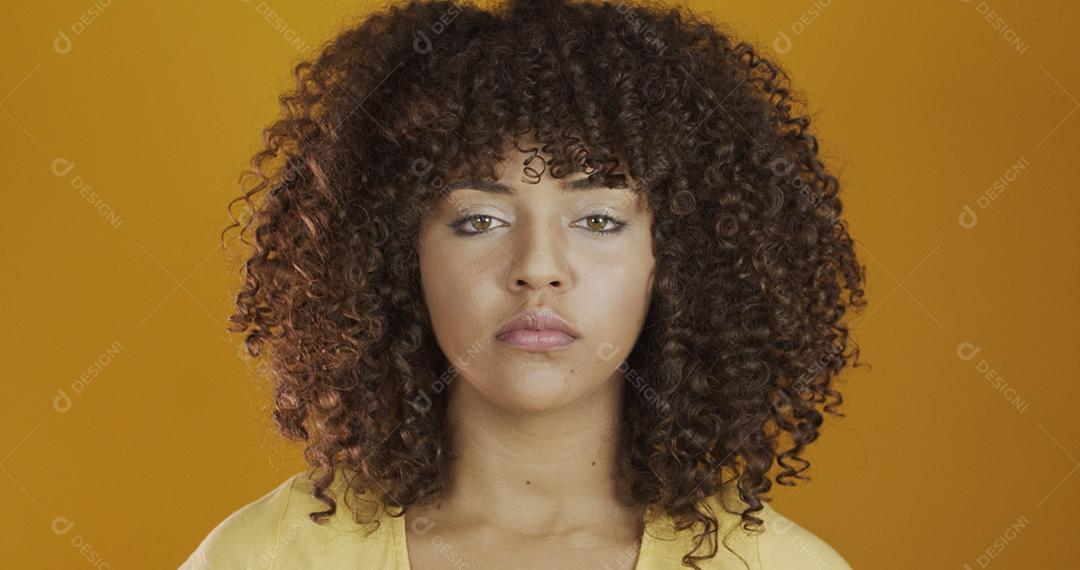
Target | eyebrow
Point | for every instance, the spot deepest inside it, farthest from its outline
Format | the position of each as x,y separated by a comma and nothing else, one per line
499,188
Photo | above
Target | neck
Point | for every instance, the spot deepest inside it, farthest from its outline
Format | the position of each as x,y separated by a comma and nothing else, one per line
536,472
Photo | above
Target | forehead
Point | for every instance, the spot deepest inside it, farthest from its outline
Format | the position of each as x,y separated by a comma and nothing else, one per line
525,165
507,185
574,185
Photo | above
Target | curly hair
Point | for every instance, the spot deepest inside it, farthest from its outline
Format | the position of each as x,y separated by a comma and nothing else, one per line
755,269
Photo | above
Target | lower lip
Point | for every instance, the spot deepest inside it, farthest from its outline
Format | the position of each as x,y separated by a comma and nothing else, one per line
536,340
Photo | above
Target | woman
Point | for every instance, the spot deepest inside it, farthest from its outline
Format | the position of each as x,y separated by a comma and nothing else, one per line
551,285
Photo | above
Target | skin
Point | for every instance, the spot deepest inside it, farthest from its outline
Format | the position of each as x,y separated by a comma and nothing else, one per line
533,485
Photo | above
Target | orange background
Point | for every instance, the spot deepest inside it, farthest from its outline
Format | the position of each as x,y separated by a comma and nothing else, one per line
961,442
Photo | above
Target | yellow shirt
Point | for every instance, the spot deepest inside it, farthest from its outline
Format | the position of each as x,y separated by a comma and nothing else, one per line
275,533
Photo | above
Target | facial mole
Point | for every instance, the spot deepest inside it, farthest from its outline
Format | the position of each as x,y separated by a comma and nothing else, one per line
594,463
528,483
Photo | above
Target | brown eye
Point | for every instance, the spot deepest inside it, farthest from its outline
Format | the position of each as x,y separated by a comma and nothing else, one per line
485,222
473,225
597,223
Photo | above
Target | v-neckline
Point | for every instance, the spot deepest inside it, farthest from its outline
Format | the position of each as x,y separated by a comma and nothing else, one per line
401,544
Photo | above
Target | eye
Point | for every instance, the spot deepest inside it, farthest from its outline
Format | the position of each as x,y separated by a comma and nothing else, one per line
476,224
597,222
480,223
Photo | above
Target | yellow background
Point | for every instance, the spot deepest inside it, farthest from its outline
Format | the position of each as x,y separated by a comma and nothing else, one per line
947,454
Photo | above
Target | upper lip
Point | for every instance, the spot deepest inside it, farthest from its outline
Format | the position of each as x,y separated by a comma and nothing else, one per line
538,319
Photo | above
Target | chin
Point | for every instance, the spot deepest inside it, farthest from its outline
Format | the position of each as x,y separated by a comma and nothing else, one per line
532,391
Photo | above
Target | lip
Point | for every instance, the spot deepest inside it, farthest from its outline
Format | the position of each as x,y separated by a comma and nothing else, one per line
537,330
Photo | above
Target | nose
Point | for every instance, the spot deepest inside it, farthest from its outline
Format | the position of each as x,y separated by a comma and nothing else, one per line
539,257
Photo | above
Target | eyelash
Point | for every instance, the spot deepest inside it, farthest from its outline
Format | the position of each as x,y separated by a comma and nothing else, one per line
457,225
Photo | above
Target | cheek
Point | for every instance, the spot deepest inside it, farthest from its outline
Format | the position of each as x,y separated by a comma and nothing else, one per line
624,272
453,287
618,288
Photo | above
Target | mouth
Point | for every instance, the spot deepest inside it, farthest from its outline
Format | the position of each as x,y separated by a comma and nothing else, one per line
536,340
537,330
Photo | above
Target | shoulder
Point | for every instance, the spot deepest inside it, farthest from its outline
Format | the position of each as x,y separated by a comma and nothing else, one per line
276,531
777,544
786,544
247,536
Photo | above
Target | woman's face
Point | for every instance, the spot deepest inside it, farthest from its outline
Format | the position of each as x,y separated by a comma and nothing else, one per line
548,246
